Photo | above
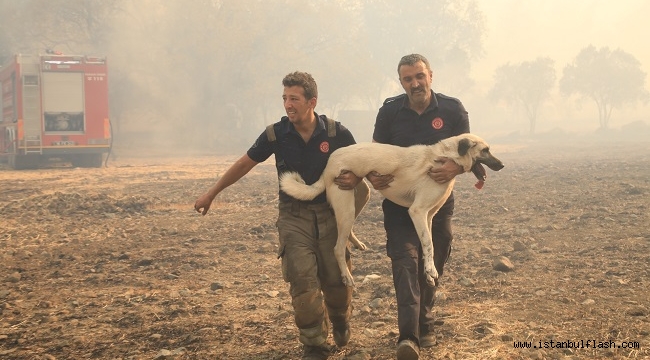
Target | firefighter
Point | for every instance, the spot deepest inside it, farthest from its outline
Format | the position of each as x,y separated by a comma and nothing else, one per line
302,141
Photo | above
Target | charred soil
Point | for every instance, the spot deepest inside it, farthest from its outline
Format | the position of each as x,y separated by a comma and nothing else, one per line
114,263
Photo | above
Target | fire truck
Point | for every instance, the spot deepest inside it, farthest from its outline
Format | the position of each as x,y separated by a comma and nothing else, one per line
54,106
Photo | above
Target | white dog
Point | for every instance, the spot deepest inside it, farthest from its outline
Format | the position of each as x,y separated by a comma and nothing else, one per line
411,187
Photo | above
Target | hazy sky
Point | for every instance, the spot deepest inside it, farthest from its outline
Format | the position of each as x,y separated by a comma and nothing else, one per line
522,30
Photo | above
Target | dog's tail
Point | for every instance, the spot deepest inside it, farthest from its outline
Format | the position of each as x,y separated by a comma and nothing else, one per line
293,184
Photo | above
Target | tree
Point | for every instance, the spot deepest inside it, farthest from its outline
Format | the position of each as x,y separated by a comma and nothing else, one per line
610,78
527,84
72,26
217,64
448,32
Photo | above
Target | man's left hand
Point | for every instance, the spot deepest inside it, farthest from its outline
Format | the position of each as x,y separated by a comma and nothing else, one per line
347,180
446,171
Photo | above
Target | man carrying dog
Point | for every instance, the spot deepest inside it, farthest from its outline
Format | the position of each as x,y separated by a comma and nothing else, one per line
302,141
419,116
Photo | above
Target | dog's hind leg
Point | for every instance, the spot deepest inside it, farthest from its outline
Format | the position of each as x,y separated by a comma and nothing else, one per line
361,197
356,242
342,202
420,215
430,216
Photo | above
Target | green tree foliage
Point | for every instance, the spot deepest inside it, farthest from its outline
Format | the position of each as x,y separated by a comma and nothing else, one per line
527,84
611,78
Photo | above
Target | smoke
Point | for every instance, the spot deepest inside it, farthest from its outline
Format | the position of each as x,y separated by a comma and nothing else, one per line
205,76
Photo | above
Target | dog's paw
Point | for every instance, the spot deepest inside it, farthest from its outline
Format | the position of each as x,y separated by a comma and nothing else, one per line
432,281
347,280
356,242
431,274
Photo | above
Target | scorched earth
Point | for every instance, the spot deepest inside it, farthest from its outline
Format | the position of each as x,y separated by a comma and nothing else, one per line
114,263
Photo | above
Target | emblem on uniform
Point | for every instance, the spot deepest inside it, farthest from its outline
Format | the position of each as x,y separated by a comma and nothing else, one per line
324,147
437,123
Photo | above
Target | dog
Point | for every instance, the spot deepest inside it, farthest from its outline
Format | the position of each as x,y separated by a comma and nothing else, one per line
411,186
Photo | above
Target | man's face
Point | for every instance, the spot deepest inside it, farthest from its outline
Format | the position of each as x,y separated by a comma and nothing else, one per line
416,80
297,107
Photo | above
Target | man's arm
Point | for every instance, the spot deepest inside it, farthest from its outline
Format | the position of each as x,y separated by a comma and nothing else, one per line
347,180
236,171
447,171
377,180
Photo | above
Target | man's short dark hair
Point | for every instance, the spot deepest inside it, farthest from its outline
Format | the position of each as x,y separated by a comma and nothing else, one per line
411,60
304,80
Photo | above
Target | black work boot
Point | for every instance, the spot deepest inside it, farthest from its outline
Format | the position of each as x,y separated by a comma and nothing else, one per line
320,352
428,340
408,350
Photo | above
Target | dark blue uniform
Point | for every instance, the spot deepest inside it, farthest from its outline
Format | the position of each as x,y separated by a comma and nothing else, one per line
293,154
397,124
308,232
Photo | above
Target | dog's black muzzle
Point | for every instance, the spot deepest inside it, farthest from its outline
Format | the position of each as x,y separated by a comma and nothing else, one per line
479,171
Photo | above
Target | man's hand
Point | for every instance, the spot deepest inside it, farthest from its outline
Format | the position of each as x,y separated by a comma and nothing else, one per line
445,172
204,203
347,180
378,181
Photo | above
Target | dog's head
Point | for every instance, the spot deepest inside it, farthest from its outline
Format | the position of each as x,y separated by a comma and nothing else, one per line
478,151
475,151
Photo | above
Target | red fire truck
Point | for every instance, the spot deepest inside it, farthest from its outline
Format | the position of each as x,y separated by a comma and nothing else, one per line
54,106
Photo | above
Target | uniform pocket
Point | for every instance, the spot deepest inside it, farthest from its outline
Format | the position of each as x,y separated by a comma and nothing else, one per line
282,244
285,272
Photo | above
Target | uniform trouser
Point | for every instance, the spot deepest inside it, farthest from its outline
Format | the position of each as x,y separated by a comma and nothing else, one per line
308,234
415,298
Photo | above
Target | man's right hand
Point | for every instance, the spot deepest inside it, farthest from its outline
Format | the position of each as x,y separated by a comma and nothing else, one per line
378,181
202,204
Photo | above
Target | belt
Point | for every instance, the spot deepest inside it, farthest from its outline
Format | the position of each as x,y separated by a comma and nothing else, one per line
297,204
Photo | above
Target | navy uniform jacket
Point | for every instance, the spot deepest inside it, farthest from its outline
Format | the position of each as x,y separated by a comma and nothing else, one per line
292,154
397,124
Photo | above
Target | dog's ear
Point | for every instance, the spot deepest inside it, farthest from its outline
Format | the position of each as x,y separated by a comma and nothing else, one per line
463,146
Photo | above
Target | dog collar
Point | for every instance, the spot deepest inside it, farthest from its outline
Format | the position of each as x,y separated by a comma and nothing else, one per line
481,175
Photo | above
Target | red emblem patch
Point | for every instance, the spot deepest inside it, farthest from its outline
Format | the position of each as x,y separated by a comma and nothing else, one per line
324,147
437,123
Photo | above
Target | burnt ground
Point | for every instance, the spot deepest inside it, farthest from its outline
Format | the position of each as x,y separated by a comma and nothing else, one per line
114,263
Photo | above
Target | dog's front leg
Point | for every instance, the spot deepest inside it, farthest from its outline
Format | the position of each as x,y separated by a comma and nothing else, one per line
361,197
420,215
342,202
430,215
339,253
